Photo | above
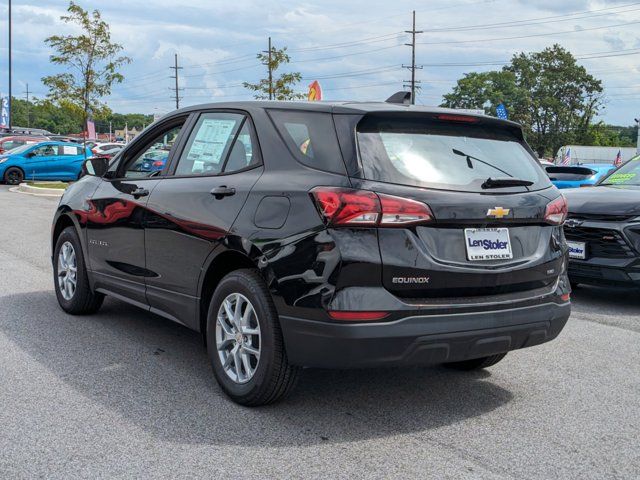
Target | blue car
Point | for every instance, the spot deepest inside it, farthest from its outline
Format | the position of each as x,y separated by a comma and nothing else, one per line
572,176
43,161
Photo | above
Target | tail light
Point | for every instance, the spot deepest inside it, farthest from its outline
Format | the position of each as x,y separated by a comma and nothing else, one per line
94,151
158,163
556,211
348,207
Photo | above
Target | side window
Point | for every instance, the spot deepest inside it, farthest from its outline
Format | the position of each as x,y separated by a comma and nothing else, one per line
45,151
210,143
153,157
311,138
242,154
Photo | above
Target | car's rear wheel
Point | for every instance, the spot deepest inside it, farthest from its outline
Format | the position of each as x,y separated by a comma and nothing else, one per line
245,343
477,363
13,176
70,276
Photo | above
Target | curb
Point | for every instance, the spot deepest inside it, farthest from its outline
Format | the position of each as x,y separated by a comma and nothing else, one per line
40,192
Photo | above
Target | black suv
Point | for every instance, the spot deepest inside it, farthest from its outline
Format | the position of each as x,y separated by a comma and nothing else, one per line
333,235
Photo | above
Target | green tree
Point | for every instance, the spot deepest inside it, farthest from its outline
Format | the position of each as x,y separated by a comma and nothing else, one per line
91,59
553,97
280,88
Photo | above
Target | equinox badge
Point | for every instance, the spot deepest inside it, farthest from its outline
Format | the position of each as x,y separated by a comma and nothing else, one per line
498,212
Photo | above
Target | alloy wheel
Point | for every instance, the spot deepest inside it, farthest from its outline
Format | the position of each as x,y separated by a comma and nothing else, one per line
67,270
14,177
238,338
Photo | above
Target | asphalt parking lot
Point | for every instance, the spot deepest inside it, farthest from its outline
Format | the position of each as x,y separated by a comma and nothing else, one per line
125,393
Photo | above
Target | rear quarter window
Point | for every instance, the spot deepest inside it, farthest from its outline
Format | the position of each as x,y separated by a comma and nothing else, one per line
310,137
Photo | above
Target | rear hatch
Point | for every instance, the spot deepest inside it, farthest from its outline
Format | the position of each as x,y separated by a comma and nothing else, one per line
495,214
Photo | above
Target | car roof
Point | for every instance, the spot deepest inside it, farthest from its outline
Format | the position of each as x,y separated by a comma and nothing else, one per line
337,107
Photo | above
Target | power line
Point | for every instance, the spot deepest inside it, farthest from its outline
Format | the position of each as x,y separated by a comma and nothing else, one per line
481,40
539,20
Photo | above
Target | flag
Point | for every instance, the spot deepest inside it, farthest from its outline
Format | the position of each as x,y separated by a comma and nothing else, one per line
501,111
91,129
4,111
618,161
315,92
566,159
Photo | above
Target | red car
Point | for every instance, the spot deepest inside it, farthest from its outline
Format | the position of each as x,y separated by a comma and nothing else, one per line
8,143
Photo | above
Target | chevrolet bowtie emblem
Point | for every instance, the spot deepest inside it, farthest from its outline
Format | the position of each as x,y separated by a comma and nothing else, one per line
498,212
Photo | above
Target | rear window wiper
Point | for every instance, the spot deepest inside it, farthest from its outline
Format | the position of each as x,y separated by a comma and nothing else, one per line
505,182
470,165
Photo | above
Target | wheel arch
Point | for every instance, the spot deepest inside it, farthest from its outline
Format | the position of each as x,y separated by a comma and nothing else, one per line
62,220
221,262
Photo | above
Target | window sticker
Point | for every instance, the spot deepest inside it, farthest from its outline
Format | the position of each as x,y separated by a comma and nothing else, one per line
66,150
618,178
211,139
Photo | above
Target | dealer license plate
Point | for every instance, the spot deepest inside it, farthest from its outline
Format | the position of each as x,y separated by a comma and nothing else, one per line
577,250
488,243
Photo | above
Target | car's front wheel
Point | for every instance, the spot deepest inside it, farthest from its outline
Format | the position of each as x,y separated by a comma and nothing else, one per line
13,176
245,343
71,282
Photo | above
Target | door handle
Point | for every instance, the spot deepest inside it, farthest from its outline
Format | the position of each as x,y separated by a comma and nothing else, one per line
223,191
140,192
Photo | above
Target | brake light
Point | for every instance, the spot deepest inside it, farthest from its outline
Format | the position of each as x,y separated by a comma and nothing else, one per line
348,207
556,211
357,316
94,151
457,118
158,163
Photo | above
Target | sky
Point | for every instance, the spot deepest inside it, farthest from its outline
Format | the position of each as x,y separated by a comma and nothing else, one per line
355,49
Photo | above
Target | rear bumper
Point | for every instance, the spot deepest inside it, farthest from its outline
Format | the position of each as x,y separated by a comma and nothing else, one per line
421,339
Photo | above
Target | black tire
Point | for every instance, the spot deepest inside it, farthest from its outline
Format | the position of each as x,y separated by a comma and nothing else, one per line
274,378
13,176
83,301
476,363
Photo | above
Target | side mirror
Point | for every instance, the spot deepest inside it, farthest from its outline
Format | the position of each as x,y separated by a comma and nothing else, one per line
96,166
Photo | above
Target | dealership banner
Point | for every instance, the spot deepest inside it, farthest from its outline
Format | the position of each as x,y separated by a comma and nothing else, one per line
315,92
4,111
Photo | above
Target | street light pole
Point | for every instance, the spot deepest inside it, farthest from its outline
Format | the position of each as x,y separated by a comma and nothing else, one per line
10,73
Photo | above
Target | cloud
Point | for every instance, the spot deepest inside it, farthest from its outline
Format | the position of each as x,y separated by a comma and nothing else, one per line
217,43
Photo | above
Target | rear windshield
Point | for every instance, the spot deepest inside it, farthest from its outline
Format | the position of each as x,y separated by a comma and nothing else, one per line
428,152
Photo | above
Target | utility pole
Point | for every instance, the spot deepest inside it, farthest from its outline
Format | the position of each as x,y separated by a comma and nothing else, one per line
177,90
638,139
268,52
110,137
413,66
10,73
28,108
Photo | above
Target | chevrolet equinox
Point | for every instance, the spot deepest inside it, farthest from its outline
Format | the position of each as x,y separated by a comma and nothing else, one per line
327,235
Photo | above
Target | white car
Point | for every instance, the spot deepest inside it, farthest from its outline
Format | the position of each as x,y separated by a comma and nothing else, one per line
101,148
